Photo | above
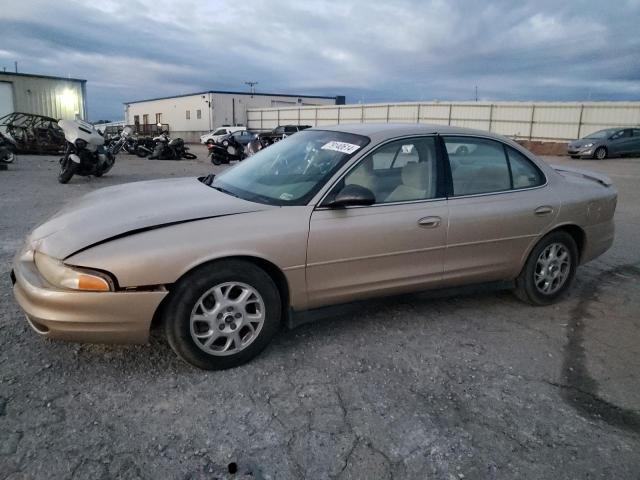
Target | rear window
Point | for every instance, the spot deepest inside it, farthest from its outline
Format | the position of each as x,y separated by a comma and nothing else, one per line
481,165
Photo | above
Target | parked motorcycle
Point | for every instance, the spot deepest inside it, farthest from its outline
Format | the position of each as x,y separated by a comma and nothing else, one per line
226,150
8,149
168,149
85,153
145,146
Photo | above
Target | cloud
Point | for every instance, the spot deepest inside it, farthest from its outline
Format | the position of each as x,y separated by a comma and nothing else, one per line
393,51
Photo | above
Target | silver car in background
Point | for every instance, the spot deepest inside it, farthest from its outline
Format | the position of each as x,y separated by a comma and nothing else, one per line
610,142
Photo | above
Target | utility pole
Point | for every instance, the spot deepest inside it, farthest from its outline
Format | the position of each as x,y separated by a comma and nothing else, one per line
476,93
252,87
16,65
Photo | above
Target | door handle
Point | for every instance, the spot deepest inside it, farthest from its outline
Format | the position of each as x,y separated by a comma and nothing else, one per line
429,222
543,210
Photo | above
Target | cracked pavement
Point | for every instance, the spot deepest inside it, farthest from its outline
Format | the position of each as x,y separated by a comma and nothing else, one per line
475,386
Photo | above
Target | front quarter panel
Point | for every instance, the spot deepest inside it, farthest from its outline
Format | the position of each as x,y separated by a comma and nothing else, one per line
162,256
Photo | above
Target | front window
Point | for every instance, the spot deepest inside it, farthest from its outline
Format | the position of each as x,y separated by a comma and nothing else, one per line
400,171
292,171
220,131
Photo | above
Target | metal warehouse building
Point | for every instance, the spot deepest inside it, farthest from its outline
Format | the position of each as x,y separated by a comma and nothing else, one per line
189,116
55,97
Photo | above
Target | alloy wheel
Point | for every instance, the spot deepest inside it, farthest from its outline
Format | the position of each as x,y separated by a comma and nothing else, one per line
227,318
552,268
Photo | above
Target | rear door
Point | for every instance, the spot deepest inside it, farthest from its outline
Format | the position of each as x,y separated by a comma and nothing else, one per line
635,133
498,205
621,142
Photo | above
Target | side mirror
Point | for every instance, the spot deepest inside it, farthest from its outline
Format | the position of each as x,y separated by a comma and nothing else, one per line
352,195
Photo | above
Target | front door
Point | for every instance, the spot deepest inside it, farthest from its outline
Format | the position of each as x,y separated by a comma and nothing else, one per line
393,246
498,207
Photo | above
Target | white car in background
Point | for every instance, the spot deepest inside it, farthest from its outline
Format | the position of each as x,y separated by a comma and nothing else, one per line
218,133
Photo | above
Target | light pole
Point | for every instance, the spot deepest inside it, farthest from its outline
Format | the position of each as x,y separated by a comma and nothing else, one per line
252,87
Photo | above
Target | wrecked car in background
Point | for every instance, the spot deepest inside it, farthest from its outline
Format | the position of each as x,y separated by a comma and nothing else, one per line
33,133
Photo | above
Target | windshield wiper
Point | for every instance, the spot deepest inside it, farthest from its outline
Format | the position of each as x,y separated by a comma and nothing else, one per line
224,190
208,180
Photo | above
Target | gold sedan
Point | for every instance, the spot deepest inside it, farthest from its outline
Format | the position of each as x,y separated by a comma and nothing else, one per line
325,217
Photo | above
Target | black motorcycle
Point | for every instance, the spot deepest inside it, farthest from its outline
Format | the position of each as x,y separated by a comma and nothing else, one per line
145,146
168,149
226,150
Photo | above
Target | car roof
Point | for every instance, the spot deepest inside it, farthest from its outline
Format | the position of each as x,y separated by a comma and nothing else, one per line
380,131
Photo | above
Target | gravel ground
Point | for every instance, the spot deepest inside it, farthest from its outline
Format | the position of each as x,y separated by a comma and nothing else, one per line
475,386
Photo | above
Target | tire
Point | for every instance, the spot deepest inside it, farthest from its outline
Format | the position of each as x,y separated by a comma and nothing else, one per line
67,169
197,291
215,159
600,153
189,156
557,283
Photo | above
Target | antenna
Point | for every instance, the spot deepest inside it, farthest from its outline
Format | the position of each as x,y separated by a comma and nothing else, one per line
252,86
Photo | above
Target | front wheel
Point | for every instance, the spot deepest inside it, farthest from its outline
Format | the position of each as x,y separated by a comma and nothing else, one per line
189,156
222,315
600,153
67,169
215,159
549,270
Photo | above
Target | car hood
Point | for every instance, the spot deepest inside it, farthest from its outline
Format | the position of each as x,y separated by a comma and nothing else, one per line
122,210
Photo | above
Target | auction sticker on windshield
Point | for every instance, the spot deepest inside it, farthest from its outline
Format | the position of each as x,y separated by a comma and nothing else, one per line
342,147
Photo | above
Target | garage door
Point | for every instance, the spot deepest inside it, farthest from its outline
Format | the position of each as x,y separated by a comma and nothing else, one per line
6,98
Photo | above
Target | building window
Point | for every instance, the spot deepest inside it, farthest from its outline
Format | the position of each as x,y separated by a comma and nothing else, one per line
145,119
136,119
188,114
158,118
198,114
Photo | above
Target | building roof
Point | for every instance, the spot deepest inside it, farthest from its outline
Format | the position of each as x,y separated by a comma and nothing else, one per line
235,93
50,77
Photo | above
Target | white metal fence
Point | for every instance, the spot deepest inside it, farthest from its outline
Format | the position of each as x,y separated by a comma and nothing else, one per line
547,121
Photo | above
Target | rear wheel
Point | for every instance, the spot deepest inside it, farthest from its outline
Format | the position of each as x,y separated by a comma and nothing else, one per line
549,270
189,156
600,153
222,315
67,169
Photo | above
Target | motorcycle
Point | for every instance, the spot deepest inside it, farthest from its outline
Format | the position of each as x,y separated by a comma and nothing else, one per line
85,153
145,146
8,149
168,149
226,150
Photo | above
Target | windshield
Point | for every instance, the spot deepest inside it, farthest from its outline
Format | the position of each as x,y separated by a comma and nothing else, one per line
291,171
601,133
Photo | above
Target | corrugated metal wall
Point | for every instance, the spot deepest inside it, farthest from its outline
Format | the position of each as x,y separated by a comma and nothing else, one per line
54,97
548,121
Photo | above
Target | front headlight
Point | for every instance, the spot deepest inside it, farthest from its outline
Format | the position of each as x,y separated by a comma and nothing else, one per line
587,145
59,275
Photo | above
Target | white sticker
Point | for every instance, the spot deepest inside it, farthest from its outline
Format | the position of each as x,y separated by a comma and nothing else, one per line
407,148
342,147
286,196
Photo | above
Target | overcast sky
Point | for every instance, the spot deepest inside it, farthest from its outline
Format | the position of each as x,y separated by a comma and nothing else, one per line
389,51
